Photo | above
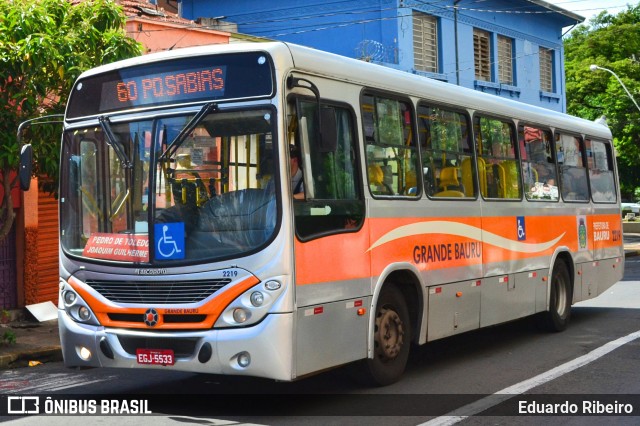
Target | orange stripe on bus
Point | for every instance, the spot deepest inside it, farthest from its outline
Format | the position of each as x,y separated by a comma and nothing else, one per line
212,309
438,243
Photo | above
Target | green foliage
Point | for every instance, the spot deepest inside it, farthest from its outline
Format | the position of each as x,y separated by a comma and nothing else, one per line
8,338
44,46
613,42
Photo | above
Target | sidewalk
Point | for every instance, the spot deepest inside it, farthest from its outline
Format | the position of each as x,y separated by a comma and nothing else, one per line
34,341
40,342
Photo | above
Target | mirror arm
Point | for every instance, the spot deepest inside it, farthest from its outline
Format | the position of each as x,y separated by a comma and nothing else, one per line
296,82
26,152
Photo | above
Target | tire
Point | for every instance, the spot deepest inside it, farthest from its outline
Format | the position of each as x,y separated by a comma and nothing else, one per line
561,294
392,340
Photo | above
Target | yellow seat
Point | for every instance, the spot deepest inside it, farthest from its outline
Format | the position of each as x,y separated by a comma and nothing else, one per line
449,178
410,183
467,177
449,184
511,179
376,175
499,180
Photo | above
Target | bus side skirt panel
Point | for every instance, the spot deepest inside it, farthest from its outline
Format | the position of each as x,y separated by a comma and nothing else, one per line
331,334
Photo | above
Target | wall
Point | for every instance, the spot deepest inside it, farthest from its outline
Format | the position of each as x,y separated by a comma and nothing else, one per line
39,262
161,36
342,27
383,32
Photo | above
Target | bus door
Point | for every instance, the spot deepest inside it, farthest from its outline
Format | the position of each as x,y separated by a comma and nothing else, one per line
331,260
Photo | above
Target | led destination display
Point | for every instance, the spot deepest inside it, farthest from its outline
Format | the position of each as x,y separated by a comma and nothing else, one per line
186,80
159,88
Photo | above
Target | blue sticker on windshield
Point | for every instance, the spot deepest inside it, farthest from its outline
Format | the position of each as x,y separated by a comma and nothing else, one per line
169,241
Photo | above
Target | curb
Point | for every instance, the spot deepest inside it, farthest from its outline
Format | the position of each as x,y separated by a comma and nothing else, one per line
17,360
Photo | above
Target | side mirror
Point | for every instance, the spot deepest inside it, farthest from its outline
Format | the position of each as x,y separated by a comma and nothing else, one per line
24,173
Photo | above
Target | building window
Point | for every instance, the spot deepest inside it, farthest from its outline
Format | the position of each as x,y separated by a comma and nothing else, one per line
482,54
546,70
505,60
425,42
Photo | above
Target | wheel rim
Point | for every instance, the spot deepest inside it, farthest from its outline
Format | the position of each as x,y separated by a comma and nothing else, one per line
389,334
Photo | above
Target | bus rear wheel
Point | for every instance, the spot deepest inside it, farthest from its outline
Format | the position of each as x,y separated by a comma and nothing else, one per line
561,295
392,339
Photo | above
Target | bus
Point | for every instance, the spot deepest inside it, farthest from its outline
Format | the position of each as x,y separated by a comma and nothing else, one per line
429,210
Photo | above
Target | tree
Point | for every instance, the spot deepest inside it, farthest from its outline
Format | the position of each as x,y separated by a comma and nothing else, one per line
44,46
613,42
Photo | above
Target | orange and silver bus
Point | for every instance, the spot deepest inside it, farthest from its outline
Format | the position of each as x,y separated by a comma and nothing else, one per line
429,210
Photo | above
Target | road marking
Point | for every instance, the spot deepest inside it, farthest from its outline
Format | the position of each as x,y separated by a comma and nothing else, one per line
505,394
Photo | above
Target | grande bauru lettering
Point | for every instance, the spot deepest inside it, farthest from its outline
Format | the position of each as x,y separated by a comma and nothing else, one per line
446,252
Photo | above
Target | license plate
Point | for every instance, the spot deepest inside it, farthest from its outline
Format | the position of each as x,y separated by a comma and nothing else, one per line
155,356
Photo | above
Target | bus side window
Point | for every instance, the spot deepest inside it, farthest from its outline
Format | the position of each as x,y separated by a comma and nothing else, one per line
573,172
601,175
538,164
447,154
333,194
392,155
495,145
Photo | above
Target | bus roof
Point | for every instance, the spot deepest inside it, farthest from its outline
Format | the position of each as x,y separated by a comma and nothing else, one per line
376,76
380,77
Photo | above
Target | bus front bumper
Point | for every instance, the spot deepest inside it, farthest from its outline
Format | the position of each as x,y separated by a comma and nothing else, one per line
268,346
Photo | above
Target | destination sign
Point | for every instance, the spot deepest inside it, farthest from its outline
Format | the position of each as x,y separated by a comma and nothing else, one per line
160,88
207,78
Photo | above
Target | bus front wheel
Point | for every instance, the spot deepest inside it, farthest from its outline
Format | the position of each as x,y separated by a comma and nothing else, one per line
392,339
561,294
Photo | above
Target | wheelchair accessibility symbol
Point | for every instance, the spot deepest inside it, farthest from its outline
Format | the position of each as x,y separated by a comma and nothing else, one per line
522,233
169,239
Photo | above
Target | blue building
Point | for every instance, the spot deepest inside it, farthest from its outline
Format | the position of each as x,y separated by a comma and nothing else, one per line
508,48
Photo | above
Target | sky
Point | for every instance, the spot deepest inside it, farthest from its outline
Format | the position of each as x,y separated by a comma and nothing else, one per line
591,8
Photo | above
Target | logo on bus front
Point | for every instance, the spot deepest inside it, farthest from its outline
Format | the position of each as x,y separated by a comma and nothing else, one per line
151,317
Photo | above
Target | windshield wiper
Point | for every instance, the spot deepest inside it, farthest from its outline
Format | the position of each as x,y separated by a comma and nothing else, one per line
113,142
186,130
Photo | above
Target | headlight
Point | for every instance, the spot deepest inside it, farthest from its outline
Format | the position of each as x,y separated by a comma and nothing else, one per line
84,313
257,298
69,297
240,315
75,306
251,306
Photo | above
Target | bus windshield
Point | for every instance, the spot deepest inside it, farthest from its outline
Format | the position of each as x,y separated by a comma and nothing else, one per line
172,189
